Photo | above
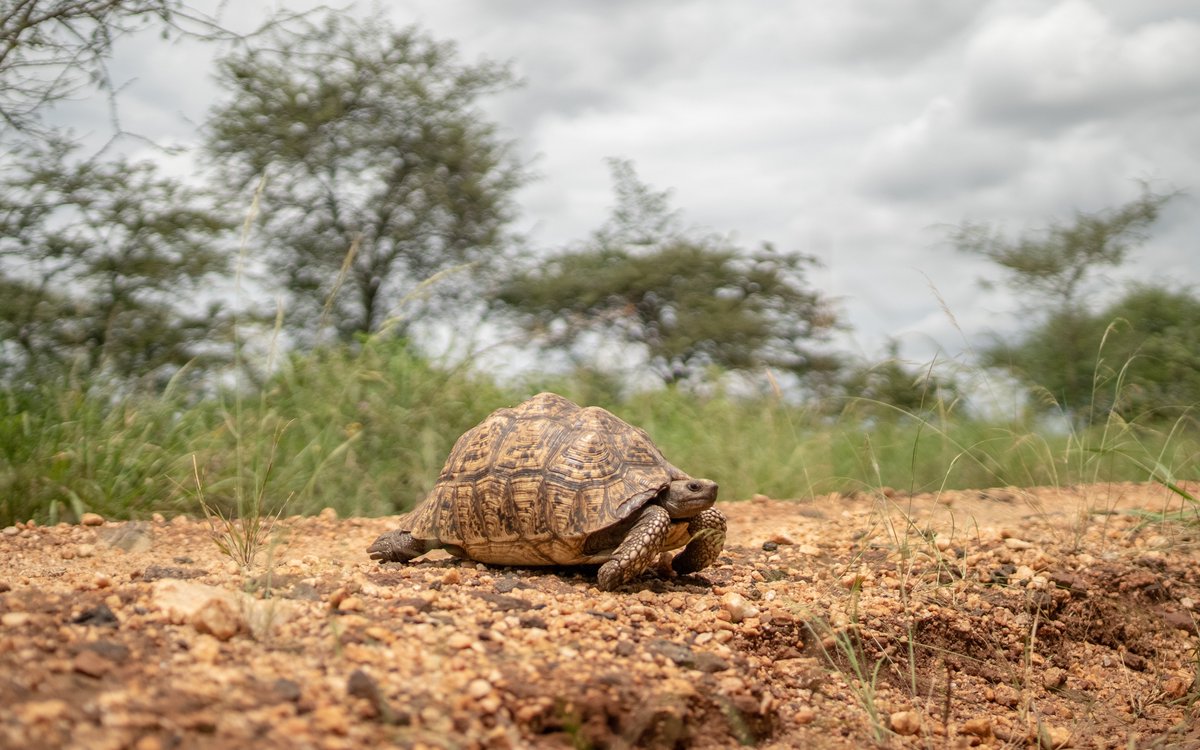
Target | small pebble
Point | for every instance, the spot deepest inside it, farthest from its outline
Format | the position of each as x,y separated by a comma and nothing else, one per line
91,519
490,704
1054,678
47,710
737,607
905,723
218,618
15,619
1054,737
850,580
92,664
980,726
350,604
478,688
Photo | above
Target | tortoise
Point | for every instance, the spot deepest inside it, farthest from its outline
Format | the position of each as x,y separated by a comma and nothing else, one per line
550,483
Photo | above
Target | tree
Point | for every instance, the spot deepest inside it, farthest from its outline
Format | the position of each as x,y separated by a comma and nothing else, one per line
687,302
1143,356
1052,269
1151,355
51,50
381,171
102,268
1052,266
876,388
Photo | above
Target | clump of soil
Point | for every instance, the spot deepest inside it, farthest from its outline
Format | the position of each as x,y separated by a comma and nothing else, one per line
1007,617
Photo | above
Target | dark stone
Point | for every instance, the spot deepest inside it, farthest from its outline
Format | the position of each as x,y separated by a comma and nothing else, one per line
100,616
305,591
503,602
706,661
287,690
676,652
508,583
1182,620
117,653
157,572
533,621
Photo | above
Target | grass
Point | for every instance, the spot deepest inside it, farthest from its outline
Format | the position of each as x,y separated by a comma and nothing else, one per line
366,431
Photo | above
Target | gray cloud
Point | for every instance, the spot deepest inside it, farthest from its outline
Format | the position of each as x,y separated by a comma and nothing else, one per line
849,130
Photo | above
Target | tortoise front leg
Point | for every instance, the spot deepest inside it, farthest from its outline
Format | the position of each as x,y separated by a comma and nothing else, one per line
398,546
707,530
641,546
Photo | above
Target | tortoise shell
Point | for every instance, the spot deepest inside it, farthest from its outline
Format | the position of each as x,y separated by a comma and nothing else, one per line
529,485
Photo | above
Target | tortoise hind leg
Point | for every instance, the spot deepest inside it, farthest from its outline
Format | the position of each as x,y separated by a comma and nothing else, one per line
398,546
641,546
707,530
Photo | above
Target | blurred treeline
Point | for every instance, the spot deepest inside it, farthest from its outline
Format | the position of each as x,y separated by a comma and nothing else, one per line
317,315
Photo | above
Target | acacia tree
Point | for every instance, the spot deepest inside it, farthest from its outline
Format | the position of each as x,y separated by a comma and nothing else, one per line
380,170
688,302
101,269
1052,269
51,50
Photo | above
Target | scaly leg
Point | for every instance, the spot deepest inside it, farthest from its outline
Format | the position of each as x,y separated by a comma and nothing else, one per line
708,539
641,546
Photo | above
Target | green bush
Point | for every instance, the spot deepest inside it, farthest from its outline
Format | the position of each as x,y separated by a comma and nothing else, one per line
367,430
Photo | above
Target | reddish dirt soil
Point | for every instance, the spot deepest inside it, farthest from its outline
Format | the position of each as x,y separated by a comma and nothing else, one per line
998,618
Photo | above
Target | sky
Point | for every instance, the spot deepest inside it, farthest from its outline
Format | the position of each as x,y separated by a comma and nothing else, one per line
856,131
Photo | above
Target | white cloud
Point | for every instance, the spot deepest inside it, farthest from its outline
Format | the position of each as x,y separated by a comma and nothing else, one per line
847,130
1068,63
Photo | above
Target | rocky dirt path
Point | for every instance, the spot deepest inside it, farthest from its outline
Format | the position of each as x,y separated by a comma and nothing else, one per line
1002,618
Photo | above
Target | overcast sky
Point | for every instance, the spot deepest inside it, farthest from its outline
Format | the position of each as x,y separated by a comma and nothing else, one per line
852,130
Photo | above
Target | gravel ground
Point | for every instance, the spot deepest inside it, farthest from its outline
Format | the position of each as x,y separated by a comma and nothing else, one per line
999,618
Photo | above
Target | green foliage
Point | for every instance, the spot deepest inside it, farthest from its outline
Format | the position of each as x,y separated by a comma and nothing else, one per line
381,171
367,432
65,449
50,49
100,268
688,303
1052,266
1143,357
364,431
1153,349
889,389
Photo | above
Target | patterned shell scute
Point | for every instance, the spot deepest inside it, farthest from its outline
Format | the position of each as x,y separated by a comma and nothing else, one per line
546,473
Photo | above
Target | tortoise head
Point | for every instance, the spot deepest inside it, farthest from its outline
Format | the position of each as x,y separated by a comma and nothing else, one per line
685,498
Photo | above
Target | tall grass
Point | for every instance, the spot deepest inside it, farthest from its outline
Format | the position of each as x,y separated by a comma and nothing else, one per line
366,431
67,448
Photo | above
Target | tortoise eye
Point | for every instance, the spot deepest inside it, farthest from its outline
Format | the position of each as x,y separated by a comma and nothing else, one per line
694,486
